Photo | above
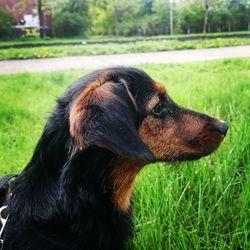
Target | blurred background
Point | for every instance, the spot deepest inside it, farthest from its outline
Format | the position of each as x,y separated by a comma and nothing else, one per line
131,25
68,18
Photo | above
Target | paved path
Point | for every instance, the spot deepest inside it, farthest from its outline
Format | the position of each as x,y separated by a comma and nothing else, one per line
93,62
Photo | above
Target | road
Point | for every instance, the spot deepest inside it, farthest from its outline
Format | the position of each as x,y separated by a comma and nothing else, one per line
94,62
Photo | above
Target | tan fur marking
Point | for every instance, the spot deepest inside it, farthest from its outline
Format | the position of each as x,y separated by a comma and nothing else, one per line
152,102
161,88
155,99
123,176
163,140
131,97
78,110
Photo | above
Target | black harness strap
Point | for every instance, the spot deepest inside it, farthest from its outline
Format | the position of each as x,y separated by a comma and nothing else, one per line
4,191
4,186
5,179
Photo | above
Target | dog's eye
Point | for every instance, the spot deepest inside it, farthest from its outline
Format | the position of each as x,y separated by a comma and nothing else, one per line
157,110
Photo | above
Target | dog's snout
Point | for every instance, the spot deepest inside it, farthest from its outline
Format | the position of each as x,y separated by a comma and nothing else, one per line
222,127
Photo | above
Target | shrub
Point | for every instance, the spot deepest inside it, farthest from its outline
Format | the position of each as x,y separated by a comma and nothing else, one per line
67,24
6,23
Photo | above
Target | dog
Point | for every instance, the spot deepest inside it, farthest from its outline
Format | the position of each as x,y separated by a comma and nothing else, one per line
75,193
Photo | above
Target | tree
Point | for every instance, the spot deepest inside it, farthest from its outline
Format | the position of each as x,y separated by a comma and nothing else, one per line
77,6
154,17
68,24
219,16
161,16
123,14
44,10
248,13
123,11
6,23
102,22
191,15
73,17
206,5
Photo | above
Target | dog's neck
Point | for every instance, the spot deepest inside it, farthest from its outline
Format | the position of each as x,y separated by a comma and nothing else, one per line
96,172
123,176
102,172
93,188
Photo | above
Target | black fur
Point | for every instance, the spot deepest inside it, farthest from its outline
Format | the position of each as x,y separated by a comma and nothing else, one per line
62,199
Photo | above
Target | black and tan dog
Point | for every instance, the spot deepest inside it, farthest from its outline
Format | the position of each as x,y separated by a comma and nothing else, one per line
75,192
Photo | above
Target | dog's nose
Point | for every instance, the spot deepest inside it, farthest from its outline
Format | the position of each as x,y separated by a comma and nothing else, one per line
222,127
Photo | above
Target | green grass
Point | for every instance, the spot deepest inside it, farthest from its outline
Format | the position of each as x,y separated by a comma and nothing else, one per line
116,48
48,40
196,205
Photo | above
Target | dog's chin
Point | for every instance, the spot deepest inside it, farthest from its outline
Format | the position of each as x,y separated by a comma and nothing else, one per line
186,156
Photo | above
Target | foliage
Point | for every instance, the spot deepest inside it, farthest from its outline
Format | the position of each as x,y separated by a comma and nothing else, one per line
6,23
160,16
103,23
117,48
152,17
192,16
115,17
198,205
147,17
229,15
68,24
72,20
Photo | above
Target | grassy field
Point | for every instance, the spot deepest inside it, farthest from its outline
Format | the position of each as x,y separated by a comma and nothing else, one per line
48,40
116,48
196,205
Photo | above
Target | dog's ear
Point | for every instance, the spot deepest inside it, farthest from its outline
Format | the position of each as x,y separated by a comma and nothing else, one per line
104,115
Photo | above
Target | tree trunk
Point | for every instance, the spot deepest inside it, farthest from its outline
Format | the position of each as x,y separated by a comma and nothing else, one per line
44,25
171,17
117,22
205,17
41,18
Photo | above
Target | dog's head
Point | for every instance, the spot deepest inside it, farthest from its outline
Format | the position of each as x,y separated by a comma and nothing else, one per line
127,112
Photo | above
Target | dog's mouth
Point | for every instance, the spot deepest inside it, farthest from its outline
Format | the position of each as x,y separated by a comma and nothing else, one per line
181,157
186,157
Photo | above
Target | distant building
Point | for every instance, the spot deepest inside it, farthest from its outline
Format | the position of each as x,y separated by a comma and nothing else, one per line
31,21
